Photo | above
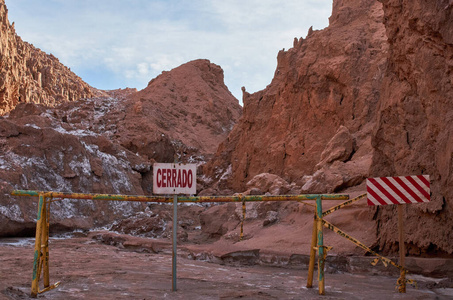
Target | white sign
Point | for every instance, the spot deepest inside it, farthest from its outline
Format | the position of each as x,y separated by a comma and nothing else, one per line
174,178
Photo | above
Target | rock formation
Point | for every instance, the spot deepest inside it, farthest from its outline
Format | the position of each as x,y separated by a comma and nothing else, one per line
328,81
413,132
102,144
29,75
371,95
108,144
187,111
39,152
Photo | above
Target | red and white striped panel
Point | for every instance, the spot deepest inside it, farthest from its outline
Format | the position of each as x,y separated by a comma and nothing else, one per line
398,190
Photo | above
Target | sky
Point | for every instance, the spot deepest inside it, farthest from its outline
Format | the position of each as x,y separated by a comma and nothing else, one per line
114,44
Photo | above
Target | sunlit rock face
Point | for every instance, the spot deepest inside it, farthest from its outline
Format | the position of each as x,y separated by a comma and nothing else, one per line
329,82
27,74
370,95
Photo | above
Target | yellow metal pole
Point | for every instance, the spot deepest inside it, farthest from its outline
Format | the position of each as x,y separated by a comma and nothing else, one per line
45,244
311,265
402,279
320,238
202,199
241,236
37,255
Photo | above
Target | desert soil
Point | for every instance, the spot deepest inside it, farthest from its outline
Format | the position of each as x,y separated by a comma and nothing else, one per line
89,269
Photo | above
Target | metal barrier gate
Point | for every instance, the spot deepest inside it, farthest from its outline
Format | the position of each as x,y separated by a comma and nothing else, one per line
41,250
318,244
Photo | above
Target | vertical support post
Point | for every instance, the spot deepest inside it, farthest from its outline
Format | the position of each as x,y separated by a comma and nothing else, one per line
37,254
45,244
320,237
314,241
402,279
175,235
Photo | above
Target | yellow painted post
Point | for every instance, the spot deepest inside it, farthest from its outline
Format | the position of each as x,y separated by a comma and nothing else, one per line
311,265
320,238
241,236
402,279
37,254
45,244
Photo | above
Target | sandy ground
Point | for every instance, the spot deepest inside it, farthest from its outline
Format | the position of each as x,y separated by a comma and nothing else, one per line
88,269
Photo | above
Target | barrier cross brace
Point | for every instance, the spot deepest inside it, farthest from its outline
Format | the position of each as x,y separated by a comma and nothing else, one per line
317,233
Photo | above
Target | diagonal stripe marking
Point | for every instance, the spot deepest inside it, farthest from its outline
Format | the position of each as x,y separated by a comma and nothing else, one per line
381,195
416,183
396,190
376,197
421,193
374,194
384,191
424,179
407,189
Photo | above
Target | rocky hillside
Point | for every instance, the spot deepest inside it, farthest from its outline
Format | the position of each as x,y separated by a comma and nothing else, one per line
27,74
185,112
58,133
371,95
108,144
41,152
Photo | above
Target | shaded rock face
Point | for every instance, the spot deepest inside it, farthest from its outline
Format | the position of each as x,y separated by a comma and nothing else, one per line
413,132
38,152
328,81
29,75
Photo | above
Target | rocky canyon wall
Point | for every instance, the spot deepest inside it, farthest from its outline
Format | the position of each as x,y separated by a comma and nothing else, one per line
327,84
370,95
413,133
27,74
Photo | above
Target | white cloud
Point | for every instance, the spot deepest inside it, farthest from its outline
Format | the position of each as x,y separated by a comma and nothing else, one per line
138,39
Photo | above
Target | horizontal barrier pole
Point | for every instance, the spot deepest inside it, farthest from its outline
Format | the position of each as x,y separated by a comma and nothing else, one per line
169,199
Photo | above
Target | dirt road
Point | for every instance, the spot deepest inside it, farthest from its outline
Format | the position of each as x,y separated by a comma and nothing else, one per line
88,269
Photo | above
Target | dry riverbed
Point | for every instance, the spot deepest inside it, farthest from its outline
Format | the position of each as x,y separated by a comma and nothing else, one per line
90,268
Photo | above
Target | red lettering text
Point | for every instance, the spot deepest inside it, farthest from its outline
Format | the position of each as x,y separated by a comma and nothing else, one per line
190,178
173,177
158,179
168,177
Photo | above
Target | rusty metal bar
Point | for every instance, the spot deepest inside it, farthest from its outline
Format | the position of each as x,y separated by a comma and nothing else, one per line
42,230
320,238
360,244
181,199
241,236
45,244
314,241
37,255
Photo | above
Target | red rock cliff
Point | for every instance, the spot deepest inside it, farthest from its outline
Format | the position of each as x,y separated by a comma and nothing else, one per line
414,129
327,83
371,95
29,75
